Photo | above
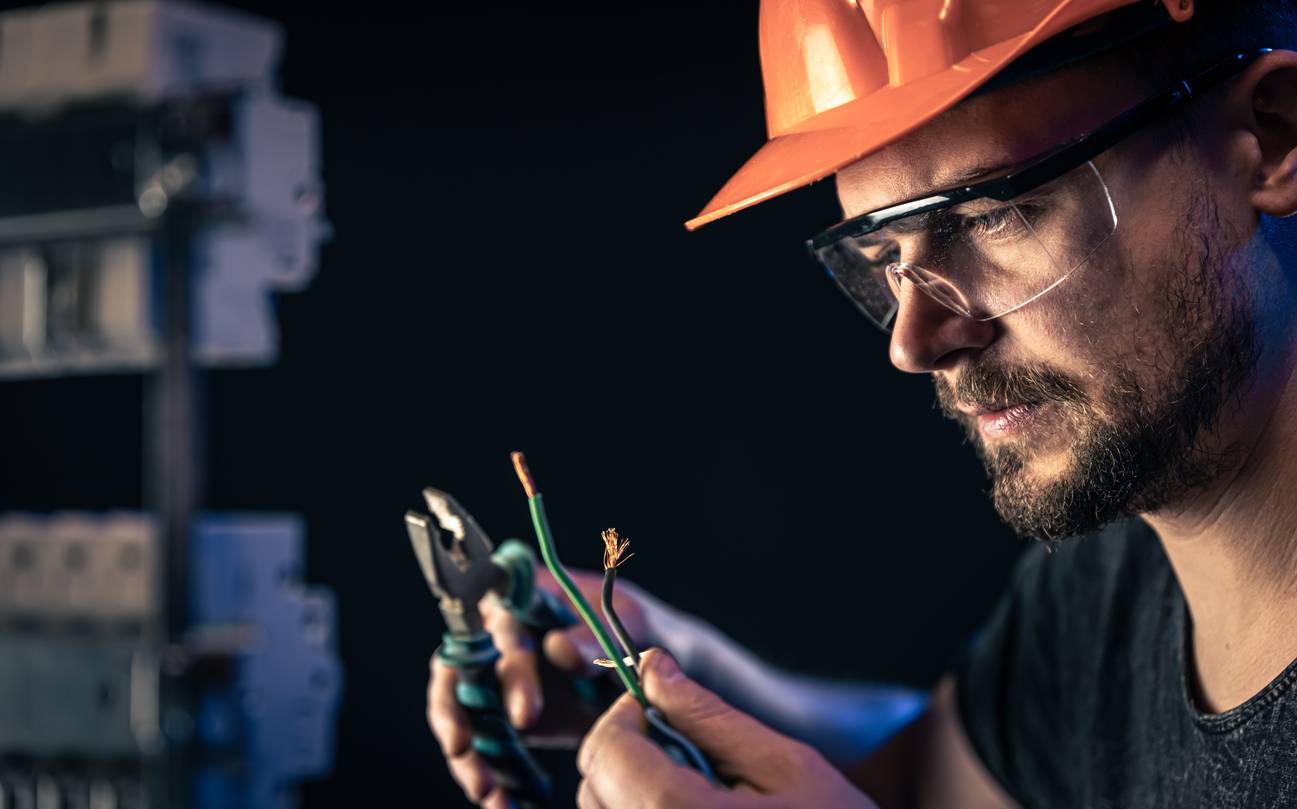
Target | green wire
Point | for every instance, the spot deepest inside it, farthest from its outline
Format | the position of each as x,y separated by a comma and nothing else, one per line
550,555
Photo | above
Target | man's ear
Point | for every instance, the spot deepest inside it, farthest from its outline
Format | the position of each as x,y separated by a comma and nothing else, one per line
1272,86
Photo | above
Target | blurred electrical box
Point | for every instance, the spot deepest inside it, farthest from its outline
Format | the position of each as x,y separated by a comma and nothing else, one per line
109,113
156,194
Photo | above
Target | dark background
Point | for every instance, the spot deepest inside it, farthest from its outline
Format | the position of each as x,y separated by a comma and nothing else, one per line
510,272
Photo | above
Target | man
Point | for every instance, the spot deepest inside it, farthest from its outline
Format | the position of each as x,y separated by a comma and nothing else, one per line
1114,320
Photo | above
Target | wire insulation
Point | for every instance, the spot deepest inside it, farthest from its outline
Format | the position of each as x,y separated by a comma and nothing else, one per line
623,637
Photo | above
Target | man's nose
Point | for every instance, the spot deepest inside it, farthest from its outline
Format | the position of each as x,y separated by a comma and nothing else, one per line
927,336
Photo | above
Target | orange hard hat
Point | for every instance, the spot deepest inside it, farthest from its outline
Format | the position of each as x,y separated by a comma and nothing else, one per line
843,78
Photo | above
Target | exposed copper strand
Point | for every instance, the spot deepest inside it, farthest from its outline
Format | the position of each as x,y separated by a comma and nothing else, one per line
524,474
614,549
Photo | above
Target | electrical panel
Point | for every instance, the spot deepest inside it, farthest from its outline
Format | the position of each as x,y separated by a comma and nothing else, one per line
158,194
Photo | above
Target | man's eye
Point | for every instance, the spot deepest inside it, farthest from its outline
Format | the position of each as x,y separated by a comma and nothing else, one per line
990,224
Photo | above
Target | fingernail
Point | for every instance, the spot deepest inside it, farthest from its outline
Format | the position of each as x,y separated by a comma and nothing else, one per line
665,667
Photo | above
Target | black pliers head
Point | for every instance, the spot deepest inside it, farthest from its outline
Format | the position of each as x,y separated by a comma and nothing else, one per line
455,555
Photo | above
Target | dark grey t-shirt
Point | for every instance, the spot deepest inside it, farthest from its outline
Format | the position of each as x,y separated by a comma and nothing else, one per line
1075,694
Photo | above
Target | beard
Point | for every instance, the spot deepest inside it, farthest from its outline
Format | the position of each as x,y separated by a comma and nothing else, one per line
1140,447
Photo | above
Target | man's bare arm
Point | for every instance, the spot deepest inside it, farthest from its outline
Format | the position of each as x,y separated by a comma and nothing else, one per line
843,720
930,764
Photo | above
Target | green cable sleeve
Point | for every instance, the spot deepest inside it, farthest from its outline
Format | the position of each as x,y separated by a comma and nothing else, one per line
550,554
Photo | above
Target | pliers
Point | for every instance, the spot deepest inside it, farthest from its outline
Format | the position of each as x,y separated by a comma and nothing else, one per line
462,566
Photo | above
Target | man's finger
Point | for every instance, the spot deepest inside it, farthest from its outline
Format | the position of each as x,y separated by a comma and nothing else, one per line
473,776
572,650
447,719
498,799
623,768
516,668
586,799
738,746
623,714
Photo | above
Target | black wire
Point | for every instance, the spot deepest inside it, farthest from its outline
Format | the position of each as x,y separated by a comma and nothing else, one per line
623,637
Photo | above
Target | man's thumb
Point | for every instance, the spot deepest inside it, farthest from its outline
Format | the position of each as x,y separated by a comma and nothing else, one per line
737,744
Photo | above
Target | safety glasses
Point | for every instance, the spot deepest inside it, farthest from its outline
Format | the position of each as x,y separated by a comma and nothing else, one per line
988,249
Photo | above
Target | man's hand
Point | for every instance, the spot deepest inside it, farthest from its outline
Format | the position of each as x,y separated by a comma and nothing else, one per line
539,699
623,769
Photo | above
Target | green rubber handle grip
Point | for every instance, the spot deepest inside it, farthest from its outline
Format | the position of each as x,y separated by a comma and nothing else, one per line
537,609
494,739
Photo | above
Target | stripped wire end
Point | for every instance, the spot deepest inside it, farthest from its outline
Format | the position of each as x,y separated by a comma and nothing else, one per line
614,549
606,662
524,474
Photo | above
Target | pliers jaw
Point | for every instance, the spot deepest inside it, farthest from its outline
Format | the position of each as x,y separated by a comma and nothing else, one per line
455,555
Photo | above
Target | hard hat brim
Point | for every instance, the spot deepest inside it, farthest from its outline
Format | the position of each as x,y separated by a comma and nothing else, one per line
841,136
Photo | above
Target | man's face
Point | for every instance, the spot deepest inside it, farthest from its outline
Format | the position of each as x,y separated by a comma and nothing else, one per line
1105,397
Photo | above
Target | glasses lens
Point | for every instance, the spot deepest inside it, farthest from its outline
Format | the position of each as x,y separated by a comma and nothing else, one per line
983,258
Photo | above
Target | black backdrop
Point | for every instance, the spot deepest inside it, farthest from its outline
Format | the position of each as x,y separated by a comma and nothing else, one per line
510,272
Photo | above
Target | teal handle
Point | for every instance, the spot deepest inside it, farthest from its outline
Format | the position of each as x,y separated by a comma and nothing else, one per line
494,739
537,609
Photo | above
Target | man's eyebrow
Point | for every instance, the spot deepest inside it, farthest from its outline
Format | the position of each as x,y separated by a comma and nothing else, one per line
958,179
971,175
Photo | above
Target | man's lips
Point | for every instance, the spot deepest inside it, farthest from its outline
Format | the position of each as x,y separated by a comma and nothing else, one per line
998,421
